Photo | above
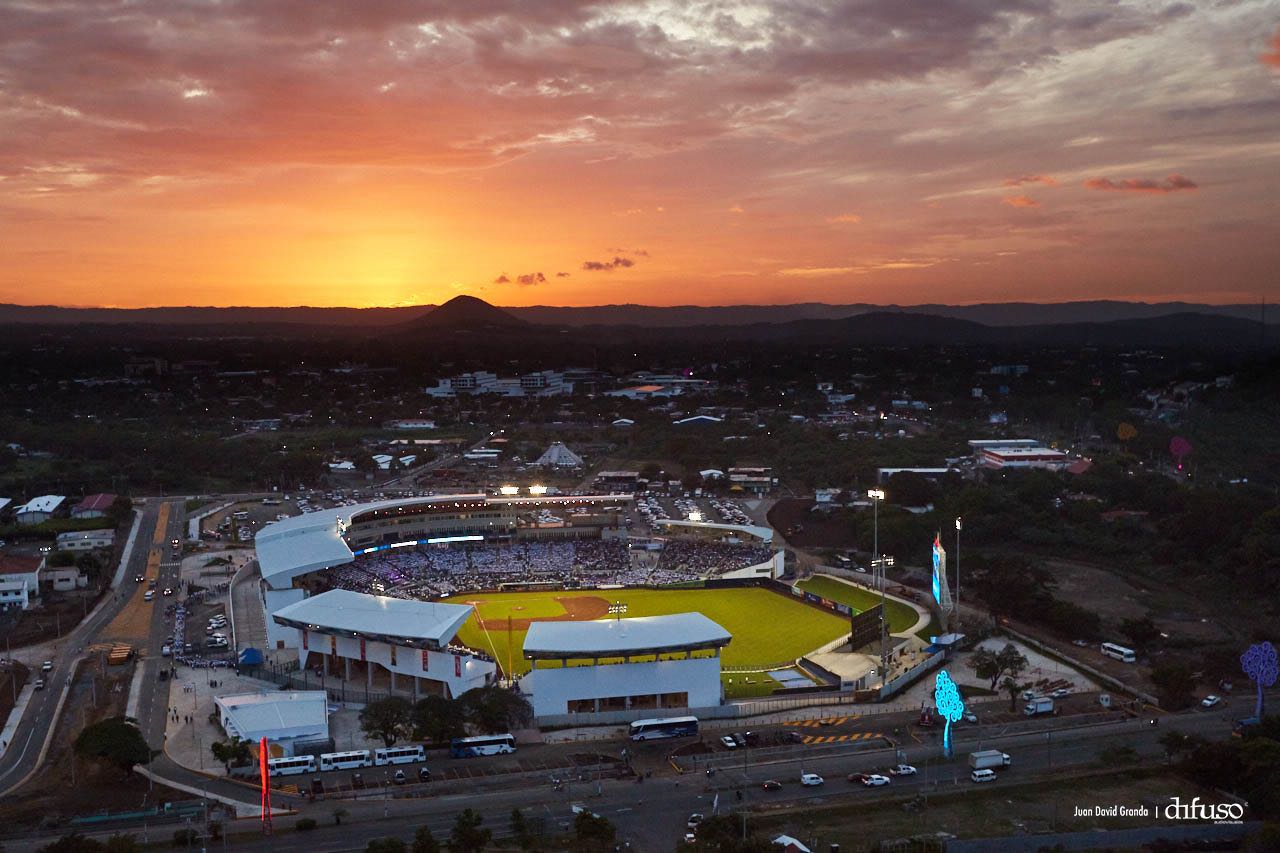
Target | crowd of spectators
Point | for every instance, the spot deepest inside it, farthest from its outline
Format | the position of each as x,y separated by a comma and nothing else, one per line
432,572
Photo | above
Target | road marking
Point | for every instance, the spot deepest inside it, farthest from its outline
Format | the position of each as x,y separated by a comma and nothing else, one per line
814,740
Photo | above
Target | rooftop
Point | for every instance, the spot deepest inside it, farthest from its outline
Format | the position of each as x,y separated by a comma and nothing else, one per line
254,715
44,503
378,617
636,635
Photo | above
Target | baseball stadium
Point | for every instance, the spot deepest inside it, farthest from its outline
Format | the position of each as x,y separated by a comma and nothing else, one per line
462,578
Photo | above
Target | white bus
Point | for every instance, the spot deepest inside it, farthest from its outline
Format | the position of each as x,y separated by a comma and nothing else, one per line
1111,650
664,727
345,760
398,755
468,747
291,766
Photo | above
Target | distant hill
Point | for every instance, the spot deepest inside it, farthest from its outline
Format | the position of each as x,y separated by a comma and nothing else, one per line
466,313
647,316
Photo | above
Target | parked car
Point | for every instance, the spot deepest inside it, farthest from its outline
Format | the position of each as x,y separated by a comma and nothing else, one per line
1060,692
875,780
694,820
1210,700
728,742
39,685
47,666
857,777
810,779
400,778
149,595
772,785
902,770
424,775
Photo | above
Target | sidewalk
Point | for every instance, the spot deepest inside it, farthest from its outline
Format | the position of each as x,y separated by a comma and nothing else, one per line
15,717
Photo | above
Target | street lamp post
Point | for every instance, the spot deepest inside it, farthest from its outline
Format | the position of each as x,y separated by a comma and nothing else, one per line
957,569
876,496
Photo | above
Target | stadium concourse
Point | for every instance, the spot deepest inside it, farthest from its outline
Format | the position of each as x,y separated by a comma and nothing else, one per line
361,592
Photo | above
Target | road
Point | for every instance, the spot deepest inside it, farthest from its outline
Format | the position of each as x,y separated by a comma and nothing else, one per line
24,753
652,815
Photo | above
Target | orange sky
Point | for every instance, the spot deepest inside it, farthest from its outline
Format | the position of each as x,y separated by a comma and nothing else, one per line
283,152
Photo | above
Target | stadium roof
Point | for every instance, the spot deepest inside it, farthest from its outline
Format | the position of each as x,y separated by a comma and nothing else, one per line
633,636
764,534
377,617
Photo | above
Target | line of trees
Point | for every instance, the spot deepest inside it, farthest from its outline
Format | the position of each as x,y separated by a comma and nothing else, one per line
438,719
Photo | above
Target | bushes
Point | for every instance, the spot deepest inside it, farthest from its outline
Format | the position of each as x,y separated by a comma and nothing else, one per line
305,824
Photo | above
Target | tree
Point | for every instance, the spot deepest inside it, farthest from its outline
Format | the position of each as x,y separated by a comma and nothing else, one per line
122,843
520,829
496,709
120,510
1174,682
1260,664
424,841
438,719
237,751
1140,633
592,833
991,665
1014,688
466,835
388,719
723,834
385,845
338,815
72,843
1176,743
115,741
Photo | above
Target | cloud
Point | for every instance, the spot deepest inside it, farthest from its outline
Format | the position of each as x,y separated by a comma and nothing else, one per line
814,272
502,279
737,208
1030,179
618,262
1019,201
1272,56
844,218
562,275
1171,184
529,279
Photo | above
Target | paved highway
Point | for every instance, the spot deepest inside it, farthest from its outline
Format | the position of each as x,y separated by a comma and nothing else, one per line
24,753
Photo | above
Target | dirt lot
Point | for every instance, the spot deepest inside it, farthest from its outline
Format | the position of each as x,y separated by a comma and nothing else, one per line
818,530
48,799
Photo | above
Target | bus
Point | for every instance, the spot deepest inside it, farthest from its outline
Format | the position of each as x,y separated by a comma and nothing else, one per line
291,766
468,747
398,755
664,728
345,760
1111,650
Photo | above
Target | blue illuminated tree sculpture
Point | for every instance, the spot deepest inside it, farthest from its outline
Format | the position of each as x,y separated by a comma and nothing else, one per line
1260,664
950,706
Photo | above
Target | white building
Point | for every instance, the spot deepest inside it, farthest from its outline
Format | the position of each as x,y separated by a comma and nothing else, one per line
1024,457
596,668
19,580
351,633
284,718
86,540
559,456
94,506
38,510
412,423
544,383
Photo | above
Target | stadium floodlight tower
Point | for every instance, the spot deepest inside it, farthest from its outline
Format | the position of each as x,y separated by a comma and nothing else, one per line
956,604
537,491
877,568
509,491
618,609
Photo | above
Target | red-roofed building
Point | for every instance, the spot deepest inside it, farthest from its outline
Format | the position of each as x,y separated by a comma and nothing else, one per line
94,506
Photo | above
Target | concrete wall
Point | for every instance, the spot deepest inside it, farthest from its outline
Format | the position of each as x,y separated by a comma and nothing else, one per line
460,672
276,599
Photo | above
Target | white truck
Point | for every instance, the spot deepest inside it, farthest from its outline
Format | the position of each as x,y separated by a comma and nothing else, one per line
1037,706
989,758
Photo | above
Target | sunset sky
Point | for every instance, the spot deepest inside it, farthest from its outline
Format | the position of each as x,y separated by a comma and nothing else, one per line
388,152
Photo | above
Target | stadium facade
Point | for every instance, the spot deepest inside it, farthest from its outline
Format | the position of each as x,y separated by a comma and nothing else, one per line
588,667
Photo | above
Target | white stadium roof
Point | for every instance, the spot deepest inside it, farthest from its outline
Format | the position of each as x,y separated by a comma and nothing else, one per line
637,635
764,534
341,611
311,541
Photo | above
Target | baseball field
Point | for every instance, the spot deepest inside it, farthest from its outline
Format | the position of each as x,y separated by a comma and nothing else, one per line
901,616
767,628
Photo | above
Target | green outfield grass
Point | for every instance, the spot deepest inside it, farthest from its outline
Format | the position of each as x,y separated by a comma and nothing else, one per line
901,617
767,628
747,685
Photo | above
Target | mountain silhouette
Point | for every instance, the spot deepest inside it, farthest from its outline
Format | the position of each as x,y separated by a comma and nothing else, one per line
467,313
